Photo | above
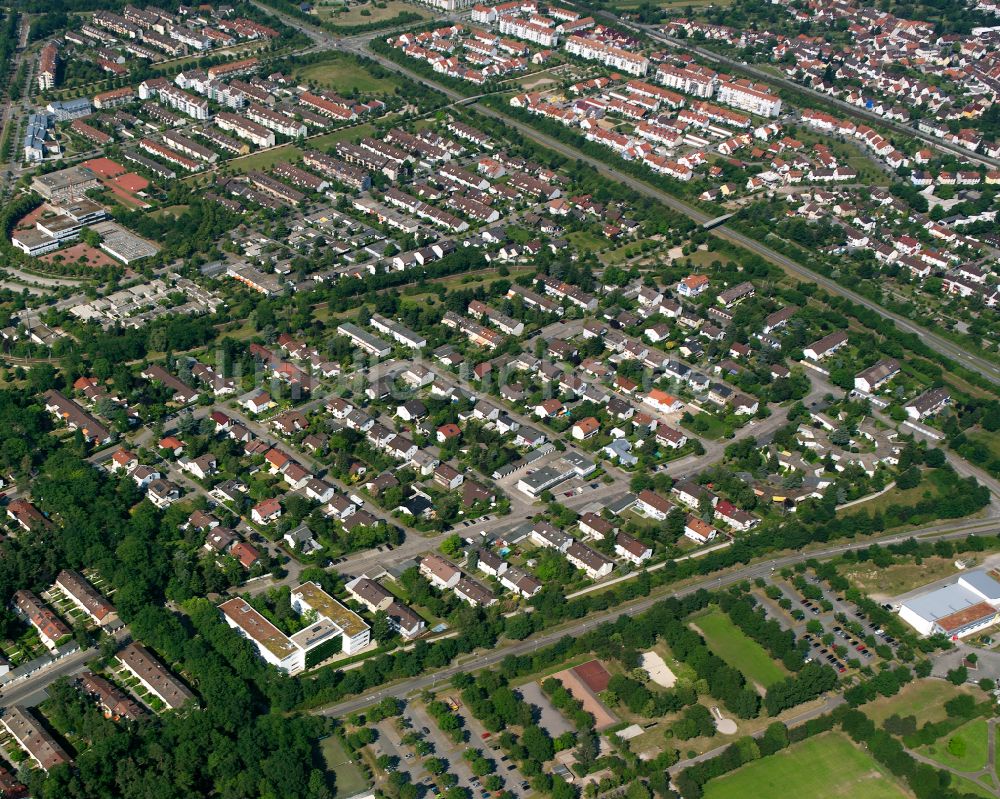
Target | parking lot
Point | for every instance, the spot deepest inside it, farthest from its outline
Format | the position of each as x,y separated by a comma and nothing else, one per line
836,616
513,780
390,743
443,747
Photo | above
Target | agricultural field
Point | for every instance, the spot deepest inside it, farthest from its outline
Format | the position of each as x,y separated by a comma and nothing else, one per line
828,766
732,645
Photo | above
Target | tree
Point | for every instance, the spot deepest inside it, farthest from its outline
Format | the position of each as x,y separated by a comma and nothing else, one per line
909,478
452,546
381,628
958,676
538,743
435,765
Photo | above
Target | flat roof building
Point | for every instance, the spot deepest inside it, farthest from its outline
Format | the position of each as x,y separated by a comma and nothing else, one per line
957,610
271,644
310,597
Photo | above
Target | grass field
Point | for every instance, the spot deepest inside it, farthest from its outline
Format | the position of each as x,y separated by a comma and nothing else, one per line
962,785
585,240
898,578
351,15
350,778
345,75
974,743
629,5
731,644
175,211
923,699
828,766
353,132
714,427
622,253
705,258
264,160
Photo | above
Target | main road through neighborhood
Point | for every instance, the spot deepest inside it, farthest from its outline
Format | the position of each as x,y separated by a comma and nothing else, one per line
480,660
990,370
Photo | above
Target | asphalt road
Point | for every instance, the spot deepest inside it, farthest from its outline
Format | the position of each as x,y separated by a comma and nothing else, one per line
761,569
940,344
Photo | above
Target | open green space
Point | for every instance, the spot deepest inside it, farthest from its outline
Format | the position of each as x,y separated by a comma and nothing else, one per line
350,778
731,644
587,241
989,440
345,75
622,253
352,132
707,425
342,14
963,785
631,5
965,749
265,159
900,577
828,766
175,211
705,258
923,699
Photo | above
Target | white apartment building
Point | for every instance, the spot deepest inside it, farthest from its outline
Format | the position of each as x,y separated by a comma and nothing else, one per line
285,125
245,128
686,80
529,31
180,100
610,56
750,99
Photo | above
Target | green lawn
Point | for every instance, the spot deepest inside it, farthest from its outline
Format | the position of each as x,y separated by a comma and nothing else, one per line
631,249
828,766
343,134
731,644
962,785
350,778
587,241
923,699
345,75
342,15
972,741
707,425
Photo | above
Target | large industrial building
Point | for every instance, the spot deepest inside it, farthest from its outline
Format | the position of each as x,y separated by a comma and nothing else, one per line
967,606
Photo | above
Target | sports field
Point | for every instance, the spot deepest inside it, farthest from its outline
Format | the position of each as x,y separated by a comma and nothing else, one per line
731,644
350,779
828,766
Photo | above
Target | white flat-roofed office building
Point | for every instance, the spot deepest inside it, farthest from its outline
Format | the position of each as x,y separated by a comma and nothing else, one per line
271,644
310,597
